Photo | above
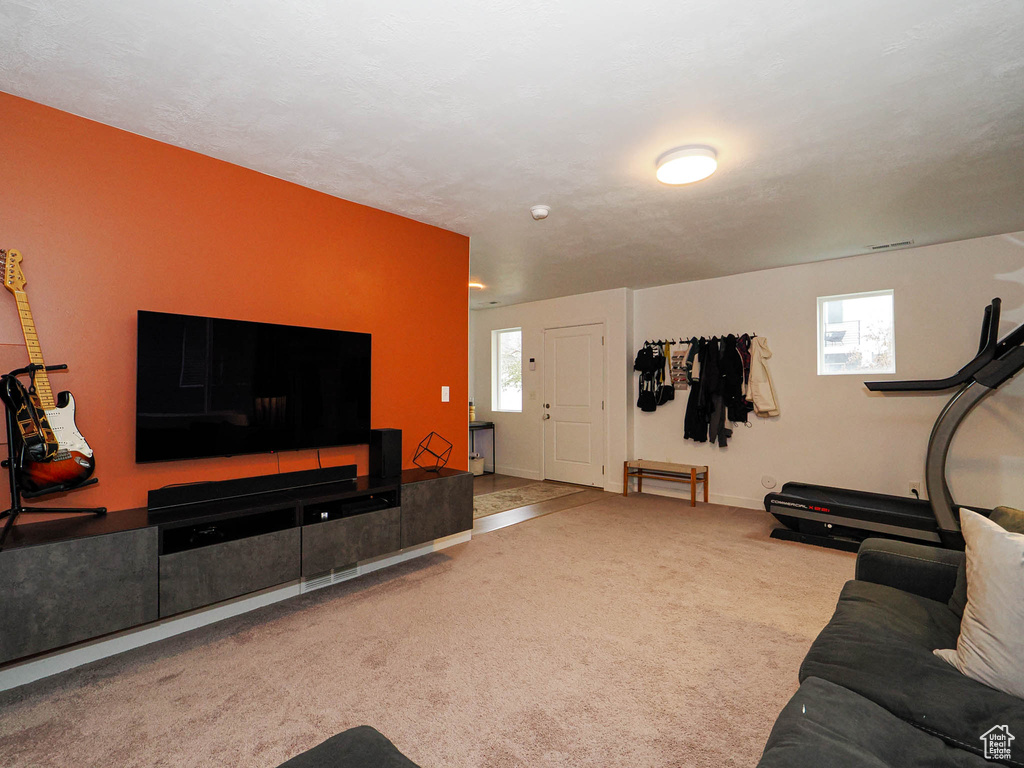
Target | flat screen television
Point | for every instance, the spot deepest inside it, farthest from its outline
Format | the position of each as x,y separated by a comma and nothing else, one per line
211,387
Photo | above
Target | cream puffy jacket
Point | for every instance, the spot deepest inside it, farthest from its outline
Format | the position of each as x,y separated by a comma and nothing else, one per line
759,389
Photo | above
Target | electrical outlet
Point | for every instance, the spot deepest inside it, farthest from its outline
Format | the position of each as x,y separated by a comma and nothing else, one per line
915,488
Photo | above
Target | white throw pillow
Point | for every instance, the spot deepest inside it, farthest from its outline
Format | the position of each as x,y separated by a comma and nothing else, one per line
991,644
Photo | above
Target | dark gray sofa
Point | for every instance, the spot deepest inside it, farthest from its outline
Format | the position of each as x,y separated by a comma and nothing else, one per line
360,747
872,693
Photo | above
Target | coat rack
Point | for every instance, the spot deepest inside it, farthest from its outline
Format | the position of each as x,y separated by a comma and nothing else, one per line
686,339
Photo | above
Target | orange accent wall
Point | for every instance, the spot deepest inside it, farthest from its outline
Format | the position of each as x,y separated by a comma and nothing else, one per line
109,222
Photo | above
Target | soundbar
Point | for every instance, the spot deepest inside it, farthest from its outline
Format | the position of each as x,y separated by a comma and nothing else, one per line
176,499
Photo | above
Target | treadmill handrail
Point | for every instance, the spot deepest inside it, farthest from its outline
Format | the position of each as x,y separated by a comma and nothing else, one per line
990,326
1002,369
1013,339
986,329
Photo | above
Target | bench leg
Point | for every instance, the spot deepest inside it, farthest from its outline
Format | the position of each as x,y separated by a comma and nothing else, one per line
706,485
693,487
625,478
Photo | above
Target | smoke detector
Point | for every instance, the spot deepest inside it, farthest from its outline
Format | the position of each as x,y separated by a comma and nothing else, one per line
540,212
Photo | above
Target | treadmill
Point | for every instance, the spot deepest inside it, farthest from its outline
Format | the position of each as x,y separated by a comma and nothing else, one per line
840,518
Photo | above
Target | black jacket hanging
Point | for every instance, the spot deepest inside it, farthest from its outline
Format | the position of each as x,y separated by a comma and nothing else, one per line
732,380
691,356
710,375
695,423
715,393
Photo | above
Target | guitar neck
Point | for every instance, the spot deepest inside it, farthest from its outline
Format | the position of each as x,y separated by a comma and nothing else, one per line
35,353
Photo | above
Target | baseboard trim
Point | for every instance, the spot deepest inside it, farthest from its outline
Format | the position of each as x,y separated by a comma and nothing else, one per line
713,498
20,673
529,474
611,485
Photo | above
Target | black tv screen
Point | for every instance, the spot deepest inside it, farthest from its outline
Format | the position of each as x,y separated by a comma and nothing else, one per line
210,387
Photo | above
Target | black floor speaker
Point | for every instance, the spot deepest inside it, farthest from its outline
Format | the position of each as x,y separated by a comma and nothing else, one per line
385,452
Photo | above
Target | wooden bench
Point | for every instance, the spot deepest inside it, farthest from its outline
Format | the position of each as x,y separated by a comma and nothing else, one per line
663,470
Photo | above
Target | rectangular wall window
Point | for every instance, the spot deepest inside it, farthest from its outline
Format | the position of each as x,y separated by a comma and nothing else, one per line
507,370
856,333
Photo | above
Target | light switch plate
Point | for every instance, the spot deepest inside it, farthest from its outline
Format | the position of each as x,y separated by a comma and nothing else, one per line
445,394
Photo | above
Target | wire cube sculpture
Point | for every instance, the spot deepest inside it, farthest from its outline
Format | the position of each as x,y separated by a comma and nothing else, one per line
432,453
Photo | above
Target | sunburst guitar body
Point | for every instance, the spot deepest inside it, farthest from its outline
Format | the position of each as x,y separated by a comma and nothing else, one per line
72,463
53,454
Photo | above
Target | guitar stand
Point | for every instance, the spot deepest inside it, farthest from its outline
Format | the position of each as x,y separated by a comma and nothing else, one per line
13,464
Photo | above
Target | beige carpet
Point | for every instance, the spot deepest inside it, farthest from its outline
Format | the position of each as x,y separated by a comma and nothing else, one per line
521,496
632,632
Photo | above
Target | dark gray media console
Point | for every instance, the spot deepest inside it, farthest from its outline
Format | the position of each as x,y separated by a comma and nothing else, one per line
66,581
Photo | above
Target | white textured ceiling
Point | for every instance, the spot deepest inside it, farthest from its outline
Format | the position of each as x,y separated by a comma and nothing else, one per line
839,124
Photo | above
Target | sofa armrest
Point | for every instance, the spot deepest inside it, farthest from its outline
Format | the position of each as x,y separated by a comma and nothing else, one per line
917,568
360,747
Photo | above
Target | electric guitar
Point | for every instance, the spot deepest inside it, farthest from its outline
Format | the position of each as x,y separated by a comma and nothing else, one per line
55,455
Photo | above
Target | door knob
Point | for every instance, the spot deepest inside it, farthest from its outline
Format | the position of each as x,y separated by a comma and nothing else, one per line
547,405
547,416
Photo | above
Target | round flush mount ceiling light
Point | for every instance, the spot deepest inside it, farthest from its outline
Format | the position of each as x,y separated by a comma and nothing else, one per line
540,212
686,165
476,284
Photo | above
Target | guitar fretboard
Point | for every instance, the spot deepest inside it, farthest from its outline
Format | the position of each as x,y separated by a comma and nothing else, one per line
35,354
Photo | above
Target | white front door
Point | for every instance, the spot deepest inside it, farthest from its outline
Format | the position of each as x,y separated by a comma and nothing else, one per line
573,404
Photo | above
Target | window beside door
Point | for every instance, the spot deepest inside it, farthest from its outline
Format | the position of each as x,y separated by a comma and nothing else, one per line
507,370
856,333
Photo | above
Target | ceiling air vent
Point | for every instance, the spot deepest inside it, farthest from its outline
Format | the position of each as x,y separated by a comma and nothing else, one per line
890,246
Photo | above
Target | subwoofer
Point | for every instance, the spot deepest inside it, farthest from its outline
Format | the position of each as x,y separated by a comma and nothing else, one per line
385,452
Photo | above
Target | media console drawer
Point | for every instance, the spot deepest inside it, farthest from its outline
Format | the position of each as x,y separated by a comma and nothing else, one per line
57,594
199,577
335,543
437,507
